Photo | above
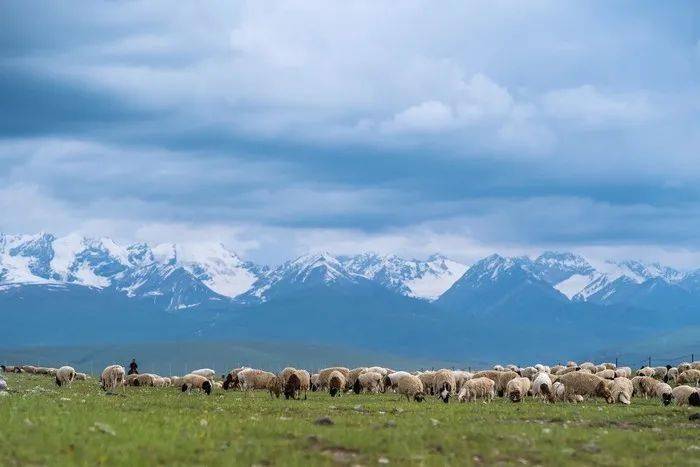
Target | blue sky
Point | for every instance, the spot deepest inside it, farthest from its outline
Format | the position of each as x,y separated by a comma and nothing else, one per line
410,127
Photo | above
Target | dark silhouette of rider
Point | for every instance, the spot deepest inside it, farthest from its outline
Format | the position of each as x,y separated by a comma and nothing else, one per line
133,367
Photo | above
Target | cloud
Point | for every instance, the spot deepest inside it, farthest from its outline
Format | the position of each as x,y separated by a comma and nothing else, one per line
588,106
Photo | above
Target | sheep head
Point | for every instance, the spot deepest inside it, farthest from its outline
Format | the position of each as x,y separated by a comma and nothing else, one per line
603,391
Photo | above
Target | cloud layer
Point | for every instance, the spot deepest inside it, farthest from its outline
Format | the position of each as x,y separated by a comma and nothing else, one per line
464,127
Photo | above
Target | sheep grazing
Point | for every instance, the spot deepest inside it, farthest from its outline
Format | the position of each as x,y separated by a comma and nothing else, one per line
460,377
254,379
646,371
664,392
112,377
353,375
336,383
588,366
671,375
623,372
3,385
689,377
314,382
427,378
81,377
621,390
206,372
542,385
370,381
498,368
412,387
292,387
377,369
584,384
684,366
686,395
477,388
276,386
606,374
65,376
501,379
193,381
644,386
518,388
324,376
391,381
444,383
529,372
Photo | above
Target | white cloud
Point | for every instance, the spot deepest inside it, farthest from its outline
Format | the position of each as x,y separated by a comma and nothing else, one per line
588,106
430,116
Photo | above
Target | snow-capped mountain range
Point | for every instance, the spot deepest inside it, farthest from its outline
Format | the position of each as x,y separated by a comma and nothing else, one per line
180,276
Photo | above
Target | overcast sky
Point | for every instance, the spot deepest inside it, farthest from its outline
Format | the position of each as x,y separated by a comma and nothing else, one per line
408,127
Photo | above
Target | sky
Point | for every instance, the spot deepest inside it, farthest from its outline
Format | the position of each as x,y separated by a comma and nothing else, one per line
413,127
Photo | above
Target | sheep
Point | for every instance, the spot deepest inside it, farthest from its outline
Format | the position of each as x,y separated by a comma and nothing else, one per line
660,372
193,381
475,388
167,382
3,385
623,372
646,371
65,376
686,395
254,379
644,386
427,379
336,382
609,366
206,372
370,381
558,393
460,377
501,379
9,369
112,377
146,379
498,368
512,367
671,375
568,369
292,387
606,374
584,384
314,382
529,372
571,364
588,366
391,381
689,377
324,375
444,383
684,366
377,369
543,368
81,377
556,369
276,386
412,387
542,379
621,390
352,376
518,388
664,391
32,370
695,365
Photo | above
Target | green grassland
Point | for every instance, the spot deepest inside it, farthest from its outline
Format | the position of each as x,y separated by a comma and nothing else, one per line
41,424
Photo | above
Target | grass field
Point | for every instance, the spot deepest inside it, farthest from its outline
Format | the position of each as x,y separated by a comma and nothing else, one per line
41,424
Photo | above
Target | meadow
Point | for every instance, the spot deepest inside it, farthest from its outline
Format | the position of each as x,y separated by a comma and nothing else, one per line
41,424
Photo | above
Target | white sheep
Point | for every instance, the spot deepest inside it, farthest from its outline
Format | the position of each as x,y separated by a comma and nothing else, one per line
412,387
664,392
474,388
685,395
623,372
542,379
65,376
621,390
206,372
391,381
370,381
193,381
112,377
518,388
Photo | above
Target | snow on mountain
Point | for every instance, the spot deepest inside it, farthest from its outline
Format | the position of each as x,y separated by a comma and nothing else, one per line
420,279
212,263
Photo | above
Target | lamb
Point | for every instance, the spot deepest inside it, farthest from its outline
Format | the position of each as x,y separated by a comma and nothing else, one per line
206,372
112,377
621,390
370,381
392,379
474,388
81,377
584,384
689,377
193,381
65,376
518,388
606,374
254,379
336,382
444,382
686,395
412,387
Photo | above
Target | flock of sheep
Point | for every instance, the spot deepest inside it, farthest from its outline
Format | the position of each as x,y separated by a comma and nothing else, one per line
560,383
